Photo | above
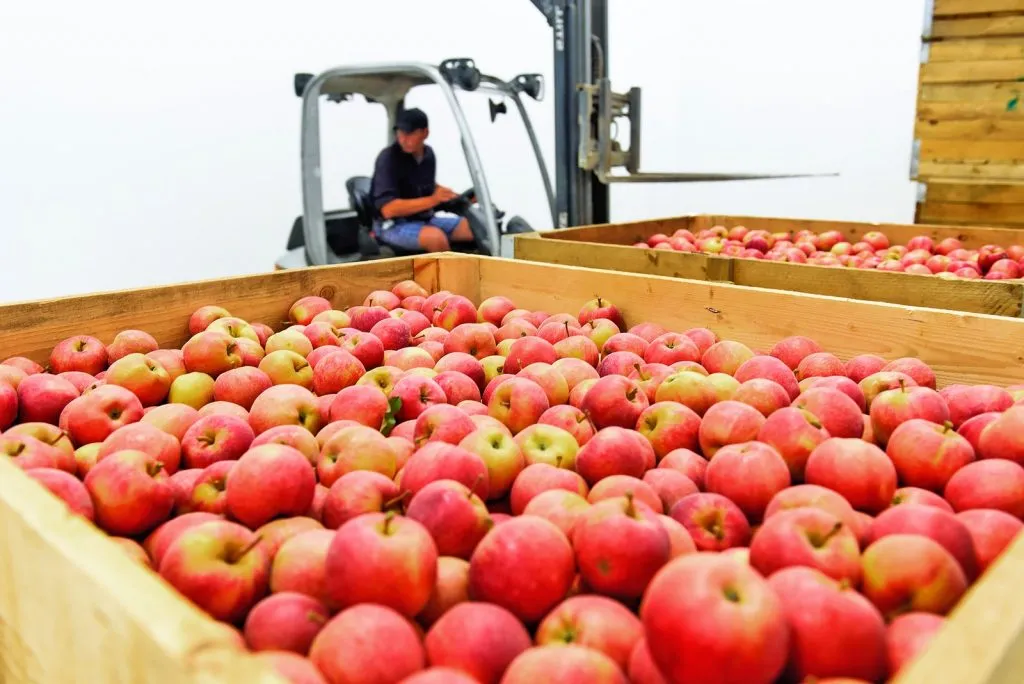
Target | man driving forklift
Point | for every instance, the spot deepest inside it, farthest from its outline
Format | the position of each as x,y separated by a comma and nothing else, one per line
405,192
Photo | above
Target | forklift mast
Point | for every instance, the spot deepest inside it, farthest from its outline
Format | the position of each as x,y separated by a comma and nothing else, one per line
586,151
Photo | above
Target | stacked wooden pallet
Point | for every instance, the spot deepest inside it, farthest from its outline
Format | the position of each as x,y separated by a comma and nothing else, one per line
969,133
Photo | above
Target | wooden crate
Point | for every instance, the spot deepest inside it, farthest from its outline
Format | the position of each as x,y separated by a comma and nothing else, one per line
74,608
609,246
969,131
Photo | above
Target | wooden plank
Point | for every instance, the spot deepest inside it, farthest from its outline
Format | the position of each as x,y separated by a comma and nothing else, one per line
33,328
976,129
978,212
74,607
973,71
966,111
975,49
927,170
945,8
967,92
970,348
999,193
460,275
963,151
1002,25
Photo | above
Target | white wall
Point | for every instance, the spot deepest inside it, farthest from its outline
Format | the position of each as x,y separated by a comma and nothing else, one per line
142,146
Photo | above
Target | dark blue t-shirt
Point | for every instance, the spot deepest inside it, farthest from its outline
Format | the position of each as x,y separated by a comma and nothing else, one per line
398,175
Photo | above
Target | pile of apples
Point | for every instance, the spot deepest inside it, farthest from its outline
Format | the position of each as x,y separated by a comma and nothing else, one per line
423,490
921,255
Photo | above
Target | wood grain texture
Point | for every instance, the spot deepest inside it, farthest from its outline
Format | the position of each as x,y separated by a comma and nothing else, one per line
968,27
994,172
945,8
75,608
986,71
978,212
996,128
975,49
999,193
32,328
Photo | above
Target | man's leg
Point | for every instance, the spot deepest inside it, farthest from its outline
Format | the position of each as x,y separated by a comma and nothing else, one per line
456,228
413,236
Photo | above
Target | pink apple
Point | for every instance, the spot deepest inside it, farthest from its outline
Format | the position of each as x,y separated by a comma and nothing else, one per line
97,413
130,493
728,422
714,522
911,572
286,621
750,474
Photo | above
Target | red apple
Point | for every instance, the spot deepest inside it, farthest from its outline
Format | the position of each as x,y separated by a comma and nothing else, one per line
455,517
128,342
933,522
916,495
794,433
837,412
174,419
268,481
130,493
97,413
41,398
611,451
146,438
714,522
440,461
859,471
160,539
518,403
594,622
905,572
480,639
863,366
728,422
992,532
541,477
687,462
807,536
908,636
365,639
285,405
215,438
81,353
286,621
67,488
726,357
926,454
566,663
750,474
991,483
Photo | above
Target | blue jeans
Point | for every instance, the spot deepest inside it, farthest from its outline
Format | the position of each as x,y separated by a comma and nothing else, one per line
405,233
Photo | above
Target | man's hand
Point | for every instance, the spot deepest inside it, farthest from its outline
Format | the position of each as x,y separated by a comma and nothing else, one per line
443,194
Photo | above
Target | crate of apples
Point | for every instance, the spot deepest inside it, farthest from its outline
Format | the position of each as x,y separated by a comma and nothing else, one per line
421,489
922,255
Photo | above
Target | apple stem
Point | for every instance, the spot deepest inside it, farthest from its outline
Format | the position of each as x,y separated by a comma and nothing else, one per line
316,617
630,508
388,517
472,490
400,499
833,532
903,385
246,549
153,469
948,426
558,461
599,304
631,393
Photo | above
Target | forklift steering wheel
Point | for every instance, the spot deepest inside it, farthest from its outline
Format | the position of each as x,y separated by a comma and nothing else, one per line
459,203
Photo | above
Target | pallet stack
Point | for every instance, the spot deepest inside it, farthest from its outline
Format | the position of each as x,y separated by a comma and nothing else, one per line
969,132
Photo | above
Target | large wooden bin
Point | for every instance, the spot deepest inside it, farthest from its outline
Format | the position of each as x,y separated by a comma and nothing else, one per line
73,607
609,246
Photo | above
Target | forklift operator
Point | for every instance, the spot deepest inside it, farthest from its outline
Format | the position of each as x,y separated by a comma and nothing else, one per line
405,192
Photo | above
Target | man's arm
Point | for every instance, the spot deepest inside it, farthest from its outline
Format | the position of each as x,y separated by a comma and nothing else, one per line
385,193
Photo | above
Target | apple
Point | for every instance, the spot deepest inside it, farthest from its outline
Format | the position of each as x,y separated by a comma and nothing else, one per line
439,461
128,342
991,531
453,311
416,394
641,669
690,389
479,639
355,447
714,522
935,523
823,613
355,493
764,395
268,481
97,413
991,483
382,558
299,565
733,602
820,364
750,474
305,309
494,309
687,462
669,485
525,546
284,405
453,515
549,379
594,622
571,420
917,369
528,350
998,439
146,438
130,493
600,308
211,352
563,663
908,572
192,389
558,506
926,454
207,493
726,357
341,654
838,413
518,403
500,454
893,407
42,397
968,401
807,536
286,621
160,539
859,471
616,486
540,443
625,342
513,329
863,366
215,438
907,636
611,451
728,422
66,487
876,383
82,353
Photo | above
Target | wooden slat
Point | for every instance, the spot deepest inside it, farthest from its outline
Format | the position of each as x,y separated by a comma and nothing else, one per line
973,49
973,72
33,328
978,129
1000,25
945,8
993,172
975,192
969,111
963,151
999,214
986,92
461,275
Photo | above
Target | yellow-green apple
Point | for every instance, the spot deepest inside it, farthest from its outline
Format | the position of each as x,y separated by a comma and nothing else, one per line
300,565
146,438
66,487
353,448
859,471
471,338
929,521
690,389
917,369
130,493
600,308
224,408
670,348
649,377
128,342
893,407
837,413
269,481
160,539
523,546
463,363
454,516
614,401
750,474
794,433
191,389
600,330
992,532
733,601
714,522
726,357
440,461
494,309
286,621
611,451
819,365
294,436
207,493
82,353
724,385
219,566
382,558
864,365
450,589
841,383
241,386
305,309
285,367
41,397
77,378
416,394
340,653
879,382
687,462
86,457
670,485
94,415
648,330
822,613
493,366
528,350
479,639
595,622
215,438
916,495
641,668
927,454
211,352
766,396
355,493
518,403
728,422
792,350
539,478
500,454
285,405
504,348
365,347
320,334
807,536
512,330
382,377
669,426
559,506
578,347
571,420
202,317
909,572
542,443
907,637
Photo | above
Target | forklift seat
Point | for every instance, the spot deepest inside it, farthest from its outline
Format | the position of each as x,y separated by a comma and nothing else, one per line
360,199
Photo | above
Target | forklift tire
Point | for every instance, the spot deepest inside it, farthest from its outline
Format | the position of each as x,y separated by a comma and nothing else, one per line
518,225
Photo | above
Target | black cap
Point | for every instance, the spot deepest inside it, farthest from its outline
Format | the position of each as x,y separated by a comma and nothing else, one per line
410,120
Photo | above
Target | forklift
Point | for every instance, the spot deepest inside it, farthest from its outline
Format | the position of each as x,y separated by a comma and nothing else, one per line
588,156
